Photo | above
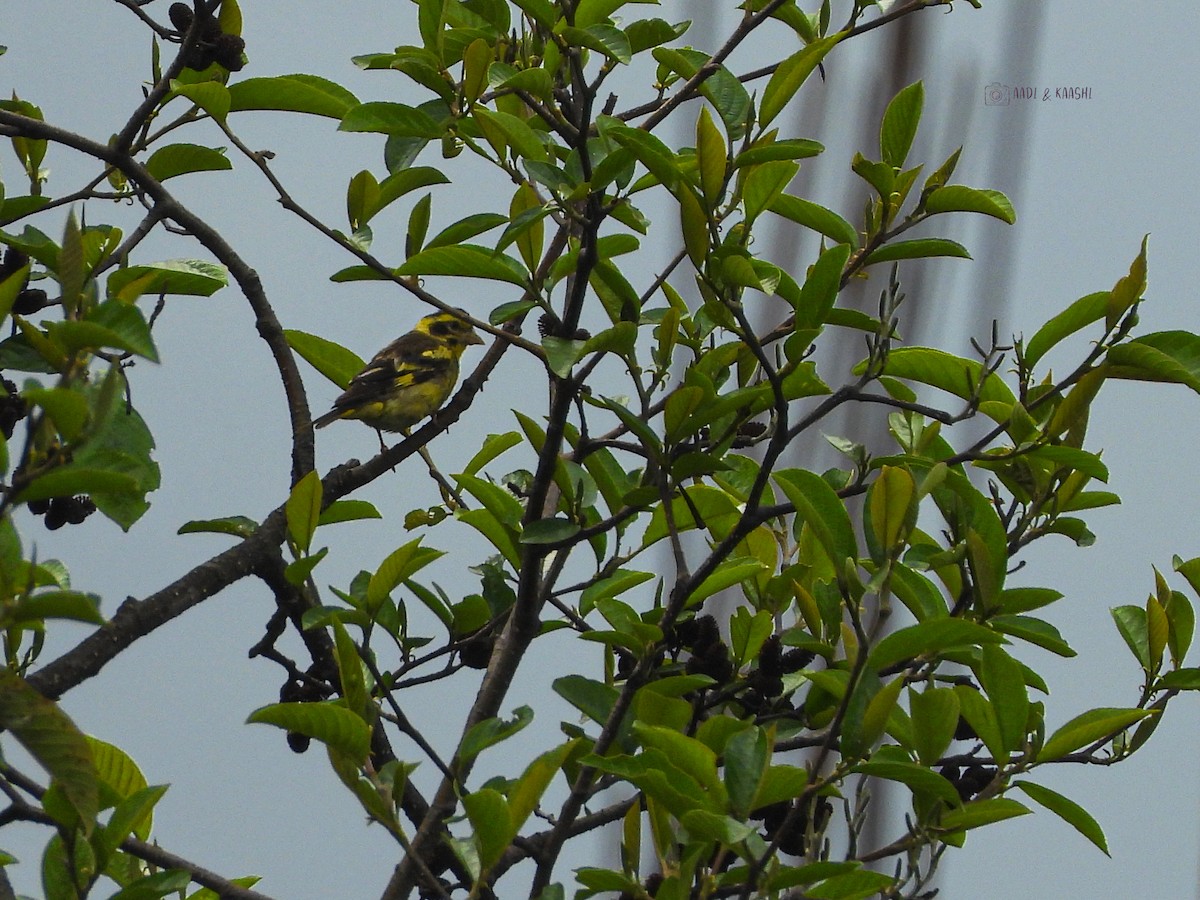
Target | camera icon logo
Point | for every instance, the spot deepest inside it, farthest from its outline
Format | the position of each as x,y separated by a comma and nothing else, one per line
996,94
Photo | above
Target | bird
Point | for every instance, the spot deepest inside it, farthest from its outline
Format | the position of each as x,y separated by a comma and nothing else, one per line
410,378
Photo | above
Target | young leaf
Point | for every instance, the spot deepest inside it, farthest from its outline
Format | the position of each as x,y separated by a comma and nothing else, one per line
899,125
960,198
303,509
790,75
1067,810
292,93
1090,727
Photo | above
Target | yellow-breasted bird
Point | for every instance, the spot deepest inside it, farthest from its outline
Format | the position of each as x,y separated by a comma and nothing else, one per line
408,379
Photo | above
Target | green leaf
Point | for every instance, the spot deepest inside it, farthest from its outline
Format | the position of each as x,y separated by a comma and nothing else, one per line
189,277
332,360
1171,356
818,218
181,159
1080,314
1131,624
393,119
348,511
1187,679
899,126
920,779
540,11
549,531
235,526
1067,810
492,731
711,155
605,39
465,261
746,756
1035,631
981,812
292,93
1088,728
491,824
857,885
400,565
920,248
928,639
1004,680
54,605
210,96
54,741
954,374
934,719
790,75
822,511
650,152
67,409
303,509
523,796
505,130
722,88
592,698
77,479
960,198
763,183
1128,290
735,570
330,723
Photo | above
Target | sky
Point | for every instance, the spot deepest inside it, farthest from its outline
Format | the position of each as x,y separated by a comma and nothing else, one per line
1089,178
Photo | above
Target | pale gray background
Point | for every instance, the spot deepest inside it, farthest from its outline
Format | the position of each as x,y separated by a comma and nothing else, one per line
1091,177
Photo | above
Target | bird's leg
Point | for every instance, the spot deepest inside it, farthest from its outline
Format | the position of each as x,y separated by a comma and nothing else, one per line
450,495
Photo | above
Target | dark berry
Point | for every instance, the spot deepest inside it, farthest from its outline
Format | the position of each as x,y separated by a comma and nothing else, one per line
30,301
295,740
748,433
770,657
76,509
964,731
227,50
13,259
626,663
969,781
292,691
12,408
707,634
713,662
38,507
181,16
210,29
768,685
55,517
796,659
476,652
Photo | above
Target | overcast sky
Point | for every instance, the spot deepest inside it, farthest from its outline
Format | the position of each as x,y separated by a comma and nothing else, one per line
1093,175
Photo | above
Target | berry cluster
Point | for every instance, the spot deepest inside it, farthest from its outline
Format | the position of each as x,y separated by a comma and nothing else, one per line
60,511
969,780
29,300
710,655
296,690
793,835
13,408
212,45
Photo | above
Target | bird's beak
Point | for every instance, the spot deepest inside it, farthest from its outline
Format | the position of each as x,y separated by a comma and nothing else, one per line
472,338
